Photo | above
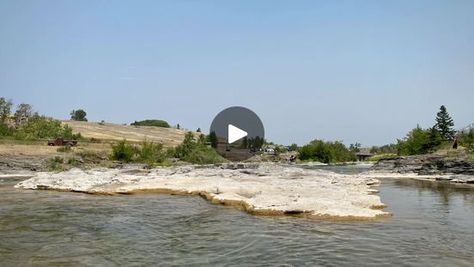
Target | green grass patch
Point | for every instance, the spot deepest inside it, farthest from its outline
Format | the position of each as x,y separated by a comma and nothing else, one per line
376,158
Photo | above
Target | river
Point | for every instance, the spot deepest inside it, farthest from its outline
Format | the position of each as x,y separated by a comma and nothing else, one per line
432,225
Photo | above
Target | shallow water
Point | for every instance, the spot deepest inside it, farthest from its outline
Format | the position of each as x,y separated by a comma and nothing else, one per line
433,225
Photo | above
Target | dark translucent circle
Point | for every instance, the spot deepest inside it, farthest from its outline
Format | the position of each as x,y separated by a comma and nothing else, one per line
244,119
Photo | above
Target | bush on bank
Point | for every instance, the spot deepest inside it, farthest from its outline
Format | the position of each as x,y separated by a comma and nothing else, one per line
38,127
190,150
123,151
466,139
196,151
326,152
419,141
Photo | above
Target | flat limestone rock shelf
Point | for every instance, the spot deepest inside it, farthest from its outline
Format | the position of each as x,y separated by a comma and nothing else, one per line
267,189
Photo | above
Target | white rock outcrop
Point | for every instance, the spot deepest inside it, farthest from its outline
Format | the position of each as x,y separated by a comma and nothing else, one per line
267,189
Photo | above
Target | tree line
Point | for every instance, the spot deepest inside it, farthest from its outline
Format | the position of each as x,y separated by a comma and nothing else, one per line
25,124
417,141
442,133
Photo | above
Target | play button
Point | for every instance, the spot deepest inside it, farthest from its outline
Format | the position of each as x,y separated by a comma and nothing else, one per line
234,134
237,133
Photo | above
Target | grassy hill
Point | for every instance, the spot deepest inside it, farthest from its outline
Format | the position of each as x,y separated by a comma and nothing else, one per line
115,132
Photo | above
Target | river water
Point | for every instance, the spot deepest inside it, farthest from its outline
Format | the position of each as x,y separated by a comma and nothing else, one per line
433,225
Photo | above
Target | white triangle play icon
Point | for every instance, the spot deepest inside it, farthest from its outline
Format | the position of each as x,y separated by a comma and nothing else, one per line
234,134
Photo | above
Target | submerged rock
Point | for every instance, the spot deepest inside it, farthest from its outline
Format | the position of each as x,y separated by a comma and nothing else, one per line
268,189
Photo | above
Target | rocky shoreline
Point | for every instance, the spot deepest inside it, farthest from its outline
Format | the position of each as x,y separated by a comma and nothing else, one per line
258,188
263,189
425,167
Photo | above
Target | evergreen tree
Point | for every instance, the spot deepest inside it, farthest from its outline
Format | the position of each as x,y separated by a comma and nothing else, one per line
444,124
245,143
213,139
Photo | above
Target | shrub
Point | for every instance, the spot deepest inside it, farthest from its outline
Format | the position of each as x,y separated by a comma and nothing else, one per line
58,159
466,139
123,151
186,146
196,152
150,153
56,164
74,162
327,152
5,130
156,123
203,155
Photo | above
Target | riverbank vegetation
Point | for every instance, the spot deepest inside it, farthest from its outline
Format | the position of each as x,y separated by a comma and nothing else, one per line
418,141
326,152
24,124
440,137
422,141
191,150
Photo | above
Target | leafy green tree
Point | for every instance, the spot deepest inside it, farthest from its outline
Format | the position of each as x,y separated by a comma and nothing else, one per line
419,141
293,147
256,142
355,147
444,124
39,127
434,139
78,115
5,109
327,152
23,113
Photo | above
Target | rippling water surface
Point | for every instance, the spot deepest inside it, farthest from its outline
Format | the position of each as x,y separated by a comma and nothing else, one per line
433,225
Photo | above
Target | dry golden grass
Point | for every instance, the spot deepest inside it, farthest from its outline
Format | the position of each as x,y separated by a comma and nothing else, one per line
115,132
27,150
107,134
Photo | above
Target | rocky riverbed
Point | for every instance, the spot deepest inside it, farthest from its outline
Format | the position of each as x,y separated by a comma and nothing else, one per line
425,167
264,189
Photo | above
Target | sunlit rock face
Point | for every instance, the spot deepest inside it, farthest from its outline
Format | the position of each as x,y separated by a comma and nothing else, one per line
266,189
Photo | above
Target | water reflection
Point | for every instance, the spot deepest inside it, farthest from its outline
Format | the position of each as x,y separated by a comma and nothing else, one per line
444,189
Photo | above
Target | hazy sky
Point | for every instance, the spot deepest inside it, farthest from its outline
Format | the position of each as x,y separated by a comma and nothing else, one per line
364,71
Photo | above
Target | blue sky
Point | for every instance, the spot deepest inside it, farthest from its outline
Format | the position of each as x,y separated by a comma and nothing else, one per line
365,71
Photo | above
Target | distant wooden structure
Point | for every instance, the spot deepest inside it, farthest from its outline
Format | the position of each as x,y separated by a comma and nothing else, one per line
363,155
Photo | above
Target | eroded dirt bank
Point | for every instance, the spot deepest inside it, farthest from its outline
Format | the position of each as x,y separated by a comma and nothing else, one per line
266,189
